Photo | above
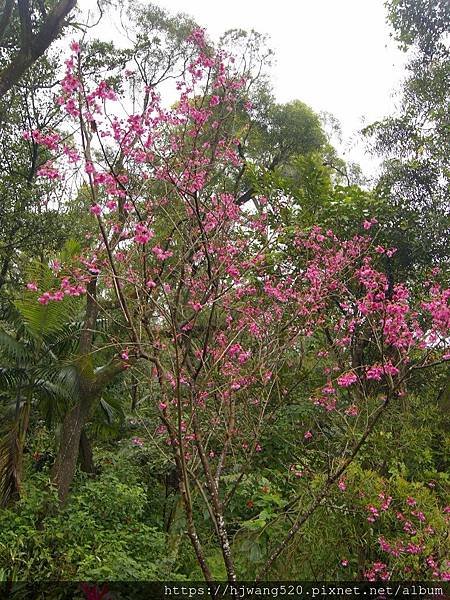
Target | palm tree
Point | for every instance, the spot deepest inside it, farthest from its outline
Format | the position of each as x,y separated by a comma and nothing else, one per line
37,372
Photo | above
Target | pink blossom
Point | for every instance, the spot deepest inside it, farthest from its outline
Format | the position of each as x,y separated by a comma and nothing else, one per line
142,233
377,571
75,47
111,204
347,379
414,548
196,306
161,254
386,501
136,441
198,37
95,209
342,485
71,154
376,372
32,286
408,528
48,171
368,224
374,514
390,369
45,298
419,515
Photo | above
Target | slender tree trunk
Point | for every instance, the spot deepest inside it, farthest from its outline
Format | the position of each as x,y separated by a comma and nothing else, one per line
217,507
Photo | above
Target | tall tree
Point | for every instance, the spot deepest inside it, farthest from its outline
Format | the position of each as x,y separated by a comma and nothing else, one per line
414,142
27,29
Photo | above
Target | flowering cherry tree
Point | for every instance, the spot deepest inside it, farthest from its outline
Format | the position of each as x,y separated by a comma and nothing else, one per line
223,335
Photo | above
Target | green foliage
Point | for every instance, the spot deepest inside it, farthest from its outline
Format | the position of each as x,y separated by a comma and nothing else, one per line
350,537
100,535
413,142
283,131
421,22
31,225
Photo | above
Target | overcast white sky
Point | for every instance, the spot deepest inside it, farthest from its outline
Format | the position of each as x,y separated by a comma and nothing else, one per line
335,55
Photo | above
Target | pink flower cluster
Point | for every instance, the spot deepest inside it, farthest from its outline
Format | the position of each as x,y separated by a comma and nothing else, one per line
142,234
376,372
347,379
66,289
378,570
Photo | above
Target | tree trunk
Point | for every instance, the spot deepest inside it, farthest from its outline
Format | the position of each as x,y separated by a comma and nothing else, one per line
66,461
90,389
85,454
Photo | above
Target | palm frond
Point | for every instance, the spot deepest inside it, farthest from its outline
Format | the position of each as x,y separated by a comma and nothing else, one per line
107,411
52,401
65,340
64,376
11,378
44,319
71,248
108,417
12,349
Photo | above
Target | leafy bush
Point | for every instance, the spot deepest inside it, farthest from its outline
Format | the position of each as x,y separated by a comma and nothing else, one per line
98,535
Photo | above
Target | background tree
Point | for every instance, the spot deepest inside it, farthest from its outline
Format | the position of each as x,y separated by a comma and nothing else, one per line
32,222
413,143
27,29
